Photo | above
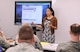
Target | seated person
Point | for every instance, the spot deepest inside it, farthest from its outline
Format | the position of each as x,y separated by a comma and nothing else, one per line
74,44
3,41
26,41
37,44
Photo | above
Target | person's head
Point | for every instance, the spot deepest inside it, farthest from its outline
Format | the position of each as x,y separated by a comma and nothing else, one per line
26,34
75,31
49,11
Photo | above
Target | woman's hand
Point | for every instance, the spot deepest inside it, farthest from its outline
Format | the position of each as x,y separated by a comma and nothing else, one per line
33,23
51,26
39,26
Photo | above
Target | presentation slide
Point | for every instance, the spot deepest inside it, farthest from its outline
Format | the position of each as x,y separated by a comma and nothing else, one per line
32,14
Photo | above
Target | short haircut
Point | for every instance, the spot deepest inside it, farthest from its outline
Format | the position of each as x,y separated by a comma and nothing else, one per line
26,32
75,28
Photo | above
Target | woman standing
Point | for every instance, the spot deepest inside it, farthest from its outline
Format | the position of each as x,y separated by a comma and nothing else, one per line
49,25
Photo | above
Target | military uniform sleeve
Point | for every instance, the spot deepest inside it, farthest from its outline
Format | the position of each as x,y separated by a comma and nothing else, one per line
3,43
37,43
61,48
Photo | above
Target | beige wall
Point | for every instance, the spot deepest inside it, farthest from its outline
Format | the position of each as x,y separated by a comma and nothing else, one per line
67,13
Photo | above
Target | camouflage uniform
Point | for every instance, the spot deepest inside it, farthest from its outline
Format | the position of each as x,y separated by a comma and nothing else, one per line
3,43
23,47
69,47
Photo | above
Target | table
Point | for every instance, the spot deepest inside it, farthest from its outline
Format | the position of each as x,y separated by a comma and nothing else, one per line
49,46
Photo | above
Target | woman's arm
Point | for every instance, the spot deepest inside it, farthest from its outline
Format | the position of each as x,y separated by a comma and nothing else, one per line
54,27
39,26
53,23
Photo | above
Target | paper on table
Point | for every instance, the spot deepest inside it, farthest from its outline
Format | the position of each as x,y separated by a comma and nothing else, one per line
49,46
54,45
44,43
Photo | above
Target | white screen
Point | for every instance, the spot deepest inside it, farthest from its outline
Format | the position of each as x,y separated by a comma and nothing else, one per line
32,14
